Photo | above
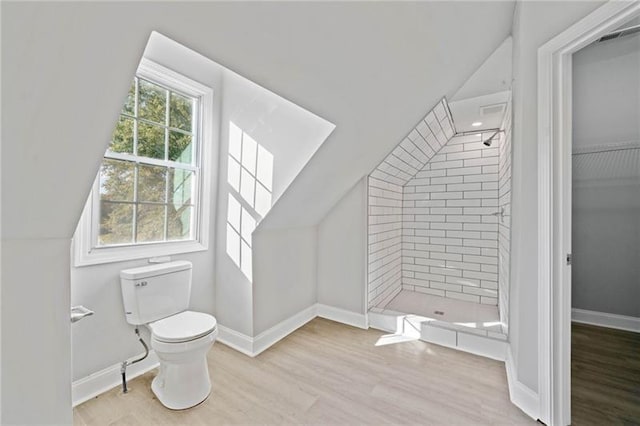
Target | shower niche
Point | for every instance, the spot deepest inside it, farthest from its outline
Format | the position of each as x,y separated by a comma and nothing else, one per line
439,208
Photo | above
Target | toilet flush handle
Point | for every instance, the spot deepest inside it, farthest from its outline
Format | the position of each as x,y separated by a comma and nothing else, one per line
79,312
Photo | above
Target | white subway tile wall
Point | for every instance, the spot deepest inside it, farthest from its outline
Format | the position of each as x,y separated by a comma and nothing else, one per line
386,200
504,226
435,223
449,228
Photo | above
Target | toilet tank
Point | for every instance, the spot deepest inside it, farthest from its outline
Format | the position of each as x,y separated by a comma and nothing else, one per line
157,291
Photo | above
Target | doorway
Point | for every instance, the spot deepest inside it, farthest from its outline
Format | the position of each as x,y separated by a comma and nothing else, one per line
605,229
554,202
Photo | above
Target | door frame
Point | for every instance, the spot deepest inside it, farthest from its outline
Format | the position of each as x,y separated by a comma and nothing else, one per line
554,203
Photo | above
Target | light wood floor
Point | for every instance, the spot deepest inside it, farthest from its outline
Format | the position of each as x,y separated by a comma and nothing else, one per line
605,376
328,373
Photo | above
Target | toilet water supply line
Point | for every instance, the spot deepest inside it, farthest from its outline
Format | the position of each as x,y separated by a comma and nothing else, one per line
125,364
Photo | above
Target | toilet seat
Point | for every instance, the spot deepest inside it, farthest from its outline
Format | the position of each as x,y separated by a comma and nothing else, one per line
183,327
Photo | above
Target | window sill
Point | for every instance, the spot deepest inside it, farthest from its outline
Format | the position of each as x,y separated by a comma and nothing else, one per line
99,256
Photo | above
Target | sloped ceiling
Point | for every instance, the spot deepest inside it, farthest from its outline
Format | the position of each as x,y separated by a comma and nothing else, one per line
373,69
418,148
494,75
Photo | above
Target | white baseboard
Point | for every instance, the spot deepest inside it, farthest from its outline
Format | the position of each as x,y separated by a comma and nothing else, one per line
521,395
253,346
341,315
281,330
383,322
236,340
483,346
603,319
97,383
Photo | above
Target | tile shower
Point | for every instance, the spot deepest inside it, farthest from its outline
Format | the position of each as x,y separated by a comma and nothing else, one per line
439,227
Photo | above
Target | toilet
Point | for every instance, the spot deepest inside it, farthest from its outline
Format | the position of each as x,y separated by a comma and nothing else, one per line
157,296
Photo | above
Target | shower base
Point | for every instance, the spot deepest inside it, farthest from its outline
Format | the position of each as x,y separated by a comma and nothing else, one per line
467,326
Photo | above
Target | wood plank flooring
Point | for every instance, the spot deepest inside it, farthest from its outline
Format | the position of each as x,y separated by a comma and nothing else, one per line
605,376
328,373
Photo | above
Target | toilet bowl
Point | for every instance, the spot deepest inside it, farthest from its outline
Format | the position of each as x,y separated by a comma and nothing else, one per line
157,296
182,342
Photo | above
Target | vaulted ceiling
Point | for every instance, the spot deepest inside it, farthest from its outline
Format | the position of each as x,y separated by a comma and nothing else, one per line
373,69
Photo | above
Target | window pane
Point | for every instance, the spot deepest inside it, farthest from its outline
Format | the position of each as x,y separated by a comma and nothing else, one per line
264,173
150,141
152,102
122,138
235,141
248,226
179,223
150,223
247,185
249,147
180,112
180,147
116,223
116,180
233,174
129,103
152,183
233,245
233,212
263,200
180,191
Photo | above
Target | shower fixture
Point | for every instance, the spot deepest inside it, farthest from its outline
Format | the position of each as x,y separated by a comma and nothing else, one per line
488,141
480,132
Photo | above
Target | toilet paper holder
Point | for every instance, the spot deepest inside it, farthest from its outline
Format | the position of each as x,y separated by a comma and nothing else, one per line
79,312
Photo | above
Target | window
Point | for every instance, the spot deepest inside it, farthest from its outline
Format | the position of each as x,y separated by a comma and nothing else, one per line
151,194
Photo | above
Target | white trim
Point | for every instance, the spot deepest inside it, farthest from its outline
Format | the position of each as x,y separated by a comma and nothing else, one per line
382,322
235,340
97,383
85,254
603,319
554,204
253,346
341,315
481,345
268,338
365,250
519,394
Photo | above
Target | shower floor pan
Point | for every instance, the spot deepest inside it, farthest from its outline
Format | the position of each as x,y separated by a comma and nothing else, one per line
467,326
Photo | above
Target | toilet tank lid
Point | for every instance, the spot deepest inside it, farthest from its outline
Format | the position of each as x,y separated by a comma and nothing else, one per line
155,270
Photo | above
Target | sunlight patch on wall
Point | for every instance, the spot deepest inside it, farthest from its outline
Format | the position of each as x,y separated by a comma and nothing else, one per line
250,176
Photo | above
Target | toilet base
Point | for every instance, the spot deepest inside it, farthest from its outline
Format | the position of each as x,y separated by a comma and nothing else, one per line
179,401
183,381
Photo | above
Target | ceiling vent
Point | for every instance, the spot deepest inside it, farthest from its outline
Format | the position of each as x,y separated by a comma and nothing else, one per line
492,109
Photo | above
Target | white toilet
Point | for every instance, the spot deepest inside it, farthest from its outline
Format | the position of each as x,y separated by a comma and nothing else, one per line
158,296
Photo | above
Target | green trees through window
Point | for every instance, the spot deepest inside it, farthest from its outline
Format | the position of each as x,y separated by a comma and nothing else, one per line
148,176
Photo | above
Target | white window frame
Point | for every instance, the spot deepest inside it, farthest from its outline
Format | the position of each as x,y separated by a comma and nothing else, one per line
85,250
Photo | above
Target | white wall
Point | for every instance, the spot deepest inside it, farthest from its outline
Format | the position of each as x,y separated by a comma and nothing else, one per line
36,358
342,238
292,135
285,271
534,24
606,92
606,182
